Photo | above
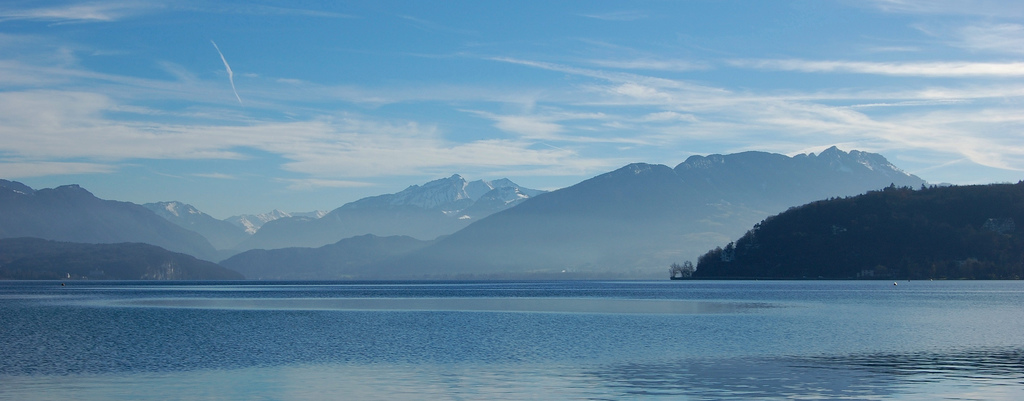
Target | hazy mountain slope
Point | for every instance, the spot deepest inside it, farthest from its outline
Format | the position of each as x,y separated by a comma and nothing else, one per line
346,259
634,221
439,207
606,224
70,213
220,233
774,182
38,259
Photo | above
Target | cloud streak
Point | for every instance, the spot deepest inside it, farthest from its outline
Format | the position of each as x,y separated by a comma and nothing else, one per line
231,75
876,120
985,8
921,69
621,16
88,12
54,126
999,38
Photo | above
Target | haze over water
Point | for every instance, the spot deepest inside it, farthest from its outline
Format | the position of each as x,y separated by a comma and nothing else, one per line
512,340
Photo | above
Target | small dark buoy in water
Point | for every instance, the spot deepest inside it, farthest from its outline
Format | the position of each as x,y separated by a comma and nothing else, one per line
61,284
894,283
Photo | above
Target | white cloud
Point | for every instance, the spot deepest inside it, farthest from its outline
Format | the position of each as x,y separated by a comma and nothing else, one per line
54,125
1001,38
86,12
218,176
642,92
651,64
972,121
618,15
668,116
24,169
987,8
922,69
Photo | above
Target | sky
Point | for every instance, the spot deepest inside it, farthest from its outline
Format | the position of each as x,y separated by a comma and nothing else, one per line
245,107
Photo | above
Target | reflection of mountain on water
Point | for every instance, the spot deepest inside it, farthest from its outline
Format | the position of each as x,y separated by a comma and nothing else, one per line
980,363
826,377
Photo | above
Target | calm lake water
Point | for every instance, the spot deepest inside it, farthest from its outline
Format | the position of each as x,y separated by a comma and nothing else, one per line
697,340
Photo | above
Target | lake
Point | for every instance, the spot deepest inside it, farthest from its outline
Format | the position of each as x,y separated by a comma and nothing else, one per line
551,340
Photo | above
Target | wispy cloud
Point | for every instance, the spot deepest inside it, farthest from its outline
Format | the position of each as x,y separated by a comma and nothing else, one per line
49,125
218,176
922,69
527,125
652,64
231,75
254,9
986,8
618,15
1000,38
87,12
40,168
304,184
787,121
435,27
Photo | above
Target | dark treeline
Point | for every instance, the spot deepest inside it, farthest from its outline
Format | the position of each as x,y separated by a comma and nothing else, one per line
958,232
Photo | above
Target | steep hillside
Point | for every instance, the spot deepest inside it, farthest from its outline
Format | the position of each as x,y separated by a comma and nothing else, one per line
968,232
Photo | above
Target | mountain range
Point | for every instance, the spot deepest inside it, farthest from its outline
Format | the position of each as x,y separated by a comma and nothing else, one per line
635,221
628,223
251,223
222,234
425,212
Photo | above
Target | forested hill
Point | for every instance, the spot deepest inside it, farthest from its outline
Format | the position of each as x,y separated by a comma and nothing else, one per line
960,232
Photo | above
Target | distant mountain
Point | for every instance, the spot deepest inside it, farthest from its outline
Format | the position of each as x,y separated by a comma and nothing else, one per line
251,223
635,221
346,259
38,259
437,208
220,233
773,182
70,213
970,232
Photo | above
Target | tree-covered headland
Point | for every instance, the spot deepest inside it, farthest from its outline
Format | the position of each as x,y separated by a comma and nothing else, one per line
956,232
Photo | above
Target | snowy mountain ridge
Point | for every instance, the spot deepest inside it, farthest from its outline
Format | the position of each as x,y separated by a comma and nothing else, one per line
449,195
438,207
253,222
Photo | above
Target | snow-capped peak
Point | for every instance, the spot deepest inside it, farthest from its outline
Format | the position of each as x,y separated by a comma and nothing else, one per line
433,194
172,208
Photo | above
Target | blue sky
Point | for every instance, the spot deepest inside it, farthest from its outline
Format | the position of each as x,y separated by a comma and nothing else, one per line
243,107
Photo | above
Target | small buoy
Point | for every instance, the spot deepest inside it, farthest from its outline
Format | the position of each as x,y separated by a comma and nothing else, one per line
894,283
61,284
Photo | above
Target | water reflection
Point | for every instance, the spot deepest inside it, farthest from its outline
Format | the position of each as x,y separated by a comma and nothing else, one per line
999,363
564,340
986,373
536,305
980,374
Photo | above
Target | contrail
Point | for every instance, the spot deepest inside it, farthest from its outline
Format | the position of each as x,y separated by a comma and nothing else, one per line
231,75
